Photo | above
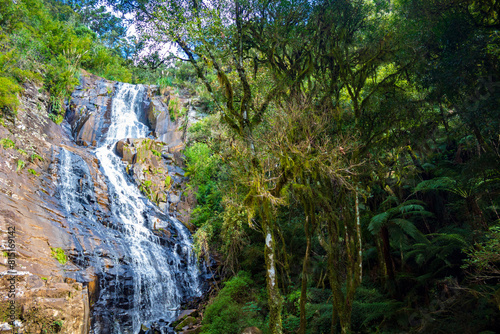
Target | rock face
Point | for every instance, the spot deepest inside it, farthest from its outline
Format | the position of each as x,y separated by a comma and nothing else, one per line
166,115
158,175
57,282
45,293
89,111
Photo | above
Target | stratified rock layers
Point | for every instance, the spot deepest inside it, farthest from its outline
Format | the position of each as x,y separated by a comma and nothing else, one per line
52,293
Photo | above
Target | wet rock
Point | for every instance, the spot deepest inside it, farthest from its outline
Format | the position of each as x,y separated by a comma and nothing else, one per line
174,198
163,206
186,323
89,111
251,330
191,227
119,147
155,108
186,313
144,329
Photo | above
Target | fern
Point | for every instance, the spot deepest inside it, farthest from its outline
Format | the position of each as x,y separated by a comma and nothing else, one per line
435,254
439,183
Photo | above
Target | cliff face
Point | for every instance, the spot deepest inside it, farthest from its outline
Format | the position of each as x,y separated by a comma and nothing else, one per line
55,285
45,294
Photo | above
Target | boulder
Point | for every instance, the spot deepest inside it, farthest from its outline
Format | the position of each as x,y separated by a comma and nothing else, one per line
187,323
128,154
186,313
155,108
174,198
119,147
163,206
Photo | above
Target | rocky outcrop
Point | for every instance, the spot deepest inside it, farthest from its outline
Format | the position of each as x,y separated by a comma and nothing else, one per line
89,110
158,175
46,294
188,322
167,116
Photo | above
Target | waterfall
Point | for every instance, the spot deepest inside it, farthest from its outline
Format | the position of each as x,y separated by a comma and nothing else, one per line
142,281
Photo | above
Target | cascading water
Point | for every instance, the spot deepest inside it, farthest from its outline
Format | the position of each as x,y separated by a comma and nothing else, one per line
142,281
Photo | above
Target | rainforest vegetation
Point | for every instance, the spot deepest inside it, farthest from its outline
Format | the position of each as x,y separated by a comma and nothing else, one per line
347,175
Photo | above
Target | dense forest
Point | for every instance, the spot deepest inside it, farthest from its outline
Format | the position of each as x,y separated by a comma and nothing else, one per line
347,174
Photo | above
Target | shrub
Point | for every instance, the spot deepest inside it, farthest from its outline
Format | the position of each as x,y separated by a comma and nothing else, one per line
35,156
58,253
164,82
174,108
8,95
7,143
227,313
20,165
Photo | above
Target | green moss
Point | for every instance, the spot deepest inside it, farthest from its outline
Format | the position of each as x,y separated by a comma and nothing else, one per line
58,253
32,171
44,278
23,152
155,152
57,324
7,143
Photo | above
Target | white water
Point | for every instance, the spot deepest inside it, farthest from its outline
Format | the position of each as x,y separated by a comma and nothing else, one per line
161,278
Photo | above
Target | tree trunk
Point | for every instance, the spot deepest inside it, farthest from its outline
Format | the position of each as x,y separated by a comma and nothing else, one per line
303,292
389,265
274,296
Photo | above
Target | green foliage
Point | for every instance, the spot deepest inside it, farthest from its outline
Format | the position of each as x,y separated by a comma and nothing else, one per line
202,163
398,217
35,157
168,182
232,310
155,152
32,171
46,41
145,187
8,94
372,310
164,82
7,143
20,165
174,108
59,255
441,253
483,257
58,119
